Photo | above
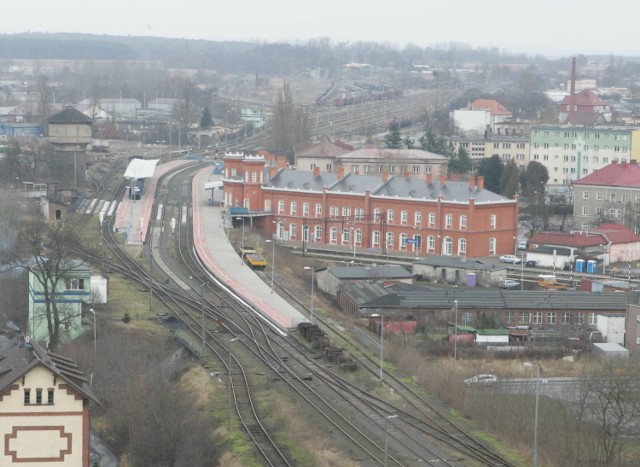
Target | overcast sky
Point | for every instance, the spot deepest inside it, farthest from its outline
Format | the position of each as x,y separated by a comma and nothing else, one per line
550,27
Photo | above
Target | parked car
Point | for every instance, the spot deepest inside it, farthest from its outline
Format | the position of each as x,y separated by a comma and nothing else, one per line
481,379
513,259
530,263
508,284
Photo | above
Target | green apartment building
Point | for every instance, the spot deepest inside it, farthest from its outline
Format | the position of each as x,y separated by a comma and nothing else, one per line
572,152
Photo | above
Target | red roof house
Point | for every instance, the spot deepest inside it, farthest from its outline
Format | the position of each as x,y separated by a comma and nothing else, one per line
589,109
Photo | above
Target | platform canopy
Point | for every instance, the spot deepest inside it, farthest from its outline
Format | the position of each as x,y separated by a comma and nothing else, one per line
141,168
217,185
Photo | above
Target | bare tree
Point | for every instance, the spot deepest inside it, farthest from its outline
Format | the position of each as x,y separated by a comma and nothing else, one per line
44,250
289,124
607,409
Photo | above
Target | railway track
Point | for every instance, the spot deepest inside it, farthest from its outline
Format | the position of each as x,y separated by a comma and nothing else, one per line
416,414
213,319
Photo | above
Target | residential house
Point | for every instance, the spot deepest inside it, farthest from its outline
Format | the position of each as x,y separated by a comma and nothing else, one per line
610,194
378,213
508,148
44,406
72,291
589,109
480,117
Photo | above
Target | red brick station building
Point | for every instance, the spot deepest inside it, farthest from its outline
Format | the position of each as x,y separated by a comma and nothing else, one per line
393,214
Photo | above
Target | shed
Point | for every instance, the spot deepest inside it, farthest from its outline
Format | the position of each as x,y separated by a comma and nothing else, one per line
609,350
330,279
455,270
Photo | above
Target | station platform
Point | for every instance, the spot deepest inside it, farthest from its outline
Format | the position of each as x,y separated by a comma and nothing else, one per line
134,216
219,256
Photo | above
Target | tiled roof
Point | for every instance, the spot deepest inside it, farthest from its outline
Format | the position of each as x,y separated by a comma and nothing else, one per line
499,299
396,187
617,233
617,174
19,358
602,235
575,240
492,105
459,263
586,97
385,154
322,149
70,115
375,272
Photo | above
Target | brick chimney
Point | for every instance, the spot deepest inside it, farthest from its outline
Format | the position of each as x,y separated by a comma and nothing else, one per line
454,177
340,172
472,183
480,182
429,178
385,176
316,172
443,180
406,174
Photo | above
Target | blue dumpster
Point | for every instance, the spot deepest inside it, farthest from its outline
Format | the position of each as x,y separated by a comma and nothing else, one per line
580,265
591,267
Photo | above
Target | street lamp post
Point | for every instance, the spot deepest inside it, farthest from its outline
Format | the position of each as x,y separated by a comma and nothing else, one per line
375,315
229,395
312,290
386,437
537,410
95,332
273,260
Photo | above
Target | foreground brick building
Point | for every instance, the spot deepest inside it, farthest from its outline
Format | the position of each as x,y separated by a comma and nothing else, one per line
430,215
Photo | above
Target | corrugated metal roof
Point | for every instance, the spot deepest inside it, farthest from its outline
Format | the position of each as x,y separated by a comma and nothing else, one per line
141,168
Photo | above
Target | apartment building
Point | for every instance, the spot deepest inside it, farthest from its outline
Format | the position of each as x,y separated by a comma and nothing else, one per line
610,194
572,152
509,148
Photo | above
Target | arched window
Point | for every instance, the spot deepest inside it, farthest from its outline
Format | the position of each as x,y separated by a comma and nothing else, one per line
389,240
317,233
492,246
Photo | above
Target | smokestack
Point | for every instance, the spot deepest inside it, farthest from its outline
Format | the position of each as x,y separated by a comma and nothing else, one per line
572,93
385,176
443,180
480,182
340,172
429,178
472,183
316,172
